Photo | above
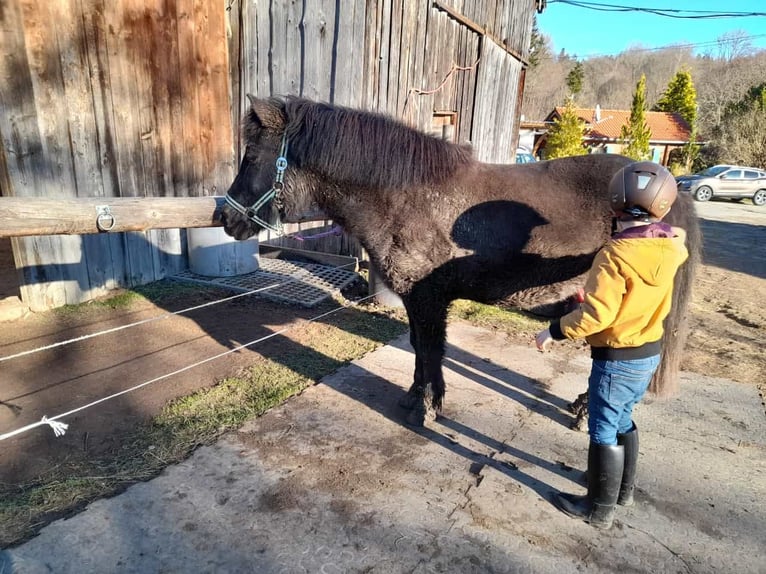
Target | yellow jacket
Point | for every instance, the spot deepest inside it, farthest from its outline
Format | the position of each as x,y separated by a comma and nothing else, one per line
628,291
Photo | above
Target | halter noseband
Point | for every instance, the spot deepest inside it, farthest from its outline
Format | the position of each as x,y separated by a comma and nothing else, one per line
274,193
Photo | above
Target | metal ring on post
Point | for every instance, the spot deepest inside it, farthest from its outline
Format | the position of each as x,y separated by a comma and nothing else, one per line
104,214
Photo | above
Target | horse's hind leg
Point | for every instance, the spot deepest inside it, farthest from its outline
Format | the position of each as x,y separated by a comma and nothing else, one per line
579,408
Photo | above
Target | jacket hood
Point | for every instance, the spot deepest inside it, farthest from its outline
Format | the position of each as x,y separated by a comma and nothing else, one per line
654,251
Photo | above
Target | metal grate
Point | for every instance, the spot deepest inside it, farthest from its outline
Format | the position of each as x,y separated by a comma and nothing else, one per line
306,284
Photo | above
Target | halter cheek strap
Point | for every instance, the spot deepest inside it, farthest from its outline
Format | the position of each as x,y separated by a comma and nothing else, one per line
275,194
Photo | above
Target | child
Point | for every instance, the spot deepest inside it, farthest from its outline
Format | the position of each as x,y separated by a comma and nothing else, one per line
627,295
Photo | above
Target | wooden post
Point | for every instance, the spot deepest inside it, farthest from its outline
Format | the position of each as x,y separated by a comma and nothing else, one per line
28,216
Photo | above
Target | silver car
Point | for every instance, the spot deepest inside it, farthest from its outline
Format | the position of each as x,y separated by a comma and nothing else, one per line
729,181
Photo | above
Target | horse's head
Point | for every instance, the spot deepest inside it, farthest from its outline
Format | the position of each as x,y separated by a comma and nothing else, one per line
267,189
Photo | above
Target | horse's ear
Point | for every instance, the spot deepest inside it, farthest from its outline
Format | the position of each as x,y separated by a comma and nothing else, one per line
267,112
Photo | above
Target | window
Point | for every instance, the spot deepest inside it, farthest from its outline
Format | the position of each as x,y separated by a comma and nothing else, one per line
443,126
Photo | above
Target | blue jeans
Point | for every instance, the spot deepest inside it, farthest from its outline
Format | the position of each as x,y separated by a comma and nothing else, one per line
614,387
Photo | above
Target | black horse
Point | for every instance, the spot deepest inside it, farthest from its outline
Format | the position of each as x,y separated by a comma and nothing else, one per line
438,224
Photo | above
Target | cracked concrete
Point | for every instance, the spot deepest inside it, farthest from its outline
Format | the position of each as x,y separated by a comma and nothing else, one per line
333,481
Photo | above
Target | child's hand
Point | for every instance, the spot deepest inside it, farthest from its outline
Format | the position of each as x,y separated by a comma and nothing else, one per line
543,340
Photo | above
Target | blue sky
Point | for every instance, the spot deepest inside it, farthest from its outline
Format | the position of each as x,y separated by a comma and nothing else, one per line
585,32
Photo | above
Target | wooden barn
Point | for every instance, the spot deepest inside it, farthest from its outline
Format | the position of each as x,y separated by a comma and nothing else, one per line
142,98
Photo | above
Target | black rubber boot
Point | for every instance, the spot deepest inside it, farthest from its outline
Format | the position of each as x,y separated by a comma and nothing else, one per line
629,442
605,467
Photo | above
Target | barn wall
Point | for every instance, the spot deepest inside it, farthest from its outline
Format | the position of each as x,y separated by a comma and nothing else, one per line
124,98
407,58
111,98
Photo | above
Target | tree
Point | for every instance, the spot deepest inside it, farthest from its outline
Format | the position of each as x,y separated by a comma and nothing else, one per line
575,79
538,46
635,134
565,136
681,97
734,44
741,135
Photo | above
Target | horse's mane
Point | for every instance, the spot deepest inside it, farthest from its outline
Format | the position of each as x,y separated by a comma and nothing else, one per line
365,148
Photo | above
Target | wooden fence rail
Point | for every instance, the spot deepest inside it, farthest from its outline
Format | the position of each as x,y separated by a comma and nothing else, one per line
28,216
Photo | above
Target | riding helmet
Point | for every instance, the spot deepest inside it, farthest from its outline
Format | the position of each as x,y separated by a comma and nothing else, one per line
642,190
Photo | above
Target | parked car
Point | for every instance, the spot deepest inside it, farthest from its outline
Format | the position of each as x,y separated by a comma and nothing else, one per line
729,181
523,156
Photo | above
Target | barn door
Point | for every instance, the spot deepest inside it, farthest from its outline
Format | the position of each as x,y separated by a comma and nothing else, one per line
497,104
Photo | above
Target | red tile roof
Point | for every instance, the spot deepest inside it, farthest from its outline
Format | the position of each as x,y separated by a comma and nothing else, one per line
665,126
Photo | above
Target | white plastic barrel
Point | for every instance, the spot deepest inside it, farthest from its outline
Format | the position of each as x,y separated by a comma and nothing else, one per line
213,253
383,295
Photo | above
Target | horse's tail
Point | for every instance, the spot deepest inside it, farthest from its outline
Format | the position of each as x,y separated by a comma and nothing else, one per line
666,380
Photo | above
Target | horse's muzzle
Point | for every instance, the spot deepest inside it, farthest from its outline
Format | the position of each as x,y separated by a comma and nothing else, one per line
235,224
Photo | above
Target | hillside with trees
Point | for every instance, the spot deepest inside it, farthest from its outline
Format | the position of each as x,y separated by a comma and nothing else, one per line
728,82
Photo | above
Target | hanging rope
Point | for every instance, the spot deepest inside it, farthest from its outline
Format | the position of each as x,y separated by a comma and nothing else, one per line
419,92
334,230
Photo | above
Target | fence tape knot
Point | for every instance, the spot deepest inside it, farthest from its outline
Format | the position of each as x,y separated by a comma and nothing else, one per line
59,428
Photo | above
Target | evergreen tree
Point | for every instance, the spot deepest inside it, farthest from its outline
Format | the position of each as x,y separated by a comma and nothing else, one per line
635,134
681,97
565,136
575,79
538,47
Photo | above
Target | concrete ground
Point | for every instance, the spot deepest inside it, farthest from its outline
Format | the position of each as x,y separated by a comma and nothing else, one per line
334,481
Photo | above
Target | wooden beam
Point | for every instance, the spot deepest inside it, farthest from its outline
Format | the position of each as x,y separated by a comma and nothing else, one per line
471,25
27,216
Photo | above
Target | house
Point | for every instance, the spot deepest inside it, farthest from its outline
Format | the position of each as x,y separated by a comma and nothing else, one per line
669,131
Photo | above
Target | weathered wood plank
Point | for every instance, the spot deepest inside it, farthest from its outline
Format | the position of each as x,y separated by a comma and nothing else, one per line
317,62
21,143
66,216
235,12
120,20
187,103
371,71
394,58
384,56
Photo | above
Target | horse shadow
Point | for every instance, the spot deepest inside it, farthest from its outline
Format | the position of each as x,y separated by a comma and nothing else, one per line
523,390
512,263
379,394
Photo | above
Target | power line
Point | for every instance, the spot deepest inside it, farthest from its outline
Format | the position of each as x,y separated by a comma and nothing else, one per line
666,12
670,46
683,46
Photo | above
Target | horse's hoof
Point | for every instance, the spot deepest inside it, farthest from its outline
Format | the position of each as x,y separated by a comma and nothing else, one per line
410,400
420,416
580,424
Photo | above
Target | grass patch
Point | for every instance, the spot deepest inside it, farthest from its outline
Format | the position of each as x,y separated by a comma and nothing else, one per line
122,300
510,321
162,293
197,419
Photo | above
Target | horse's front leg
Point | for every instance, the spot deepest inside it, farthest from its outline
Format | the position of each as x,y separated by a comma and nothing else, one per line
428,325
416,392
